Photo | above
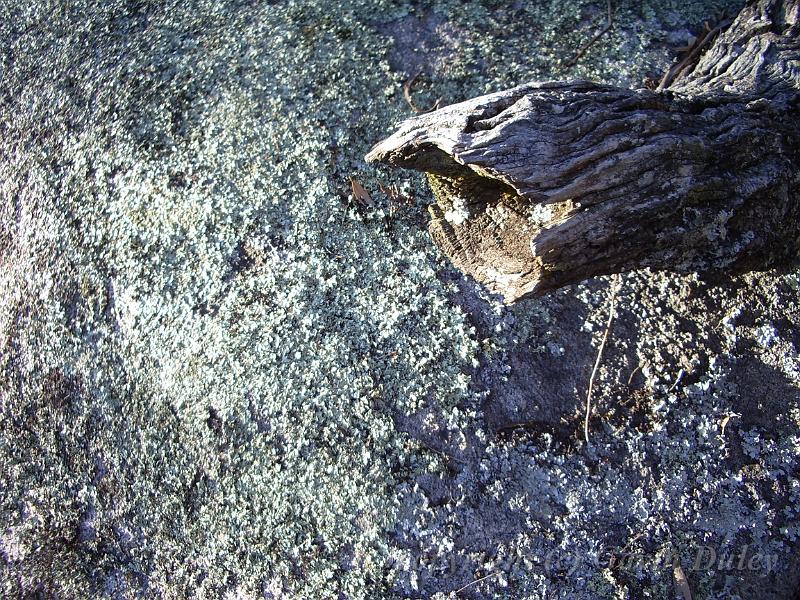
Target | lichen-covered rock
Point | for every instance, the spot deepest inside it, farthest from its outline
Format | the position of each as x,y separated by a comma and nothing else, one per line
222,378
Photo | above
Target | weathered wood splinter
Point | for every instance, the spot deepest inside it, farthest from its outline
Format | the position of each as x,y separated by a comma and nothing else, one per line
551,183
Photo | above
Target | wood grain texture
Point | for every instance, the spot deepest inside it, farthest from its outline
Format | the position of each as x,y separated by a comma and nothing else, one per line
550,183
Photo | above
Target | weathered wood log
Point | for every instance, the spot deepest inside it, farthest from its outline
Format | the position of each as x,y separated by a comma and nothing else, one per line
550,183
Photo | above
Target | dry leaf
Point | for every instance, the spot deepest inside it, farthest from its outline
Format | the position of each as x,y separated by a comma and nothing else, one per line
360,194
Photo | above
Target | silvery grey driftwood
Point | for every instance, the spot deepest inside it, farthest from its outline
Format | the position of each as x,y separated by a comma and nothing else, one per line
550,183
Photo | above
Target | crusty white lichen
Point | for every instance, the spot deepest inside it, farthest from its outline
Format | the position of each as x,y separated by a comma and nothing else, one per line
223,379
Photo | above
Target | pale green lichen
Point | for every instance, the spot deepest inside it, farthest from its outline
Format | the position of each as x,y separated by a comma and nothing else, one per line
221,378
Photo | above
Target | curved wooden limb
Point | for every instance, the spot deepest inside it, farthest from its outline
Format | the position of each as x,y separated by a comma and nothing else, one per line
551,183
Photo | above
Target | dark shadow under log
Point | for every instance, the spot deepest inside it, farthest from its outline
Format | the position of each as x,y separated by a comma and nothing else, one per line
550,183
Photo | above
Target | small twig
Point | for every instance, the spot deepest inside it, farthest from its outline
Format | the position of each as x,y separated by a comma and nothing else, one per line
612,304
511,427
677,70
407,95
591,42
471,583
634,372
677,381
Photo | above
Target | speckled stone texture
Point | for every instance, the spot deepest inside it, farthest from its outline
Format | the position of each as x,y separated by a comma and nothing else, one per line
223,378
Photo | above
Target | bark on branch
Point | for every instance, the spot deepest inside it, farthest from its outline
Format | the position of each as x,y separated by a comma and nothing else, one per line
551,183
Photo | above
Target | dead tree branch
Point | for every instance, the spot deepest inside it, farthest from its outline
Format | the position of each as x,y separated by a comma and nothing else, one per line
550,183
